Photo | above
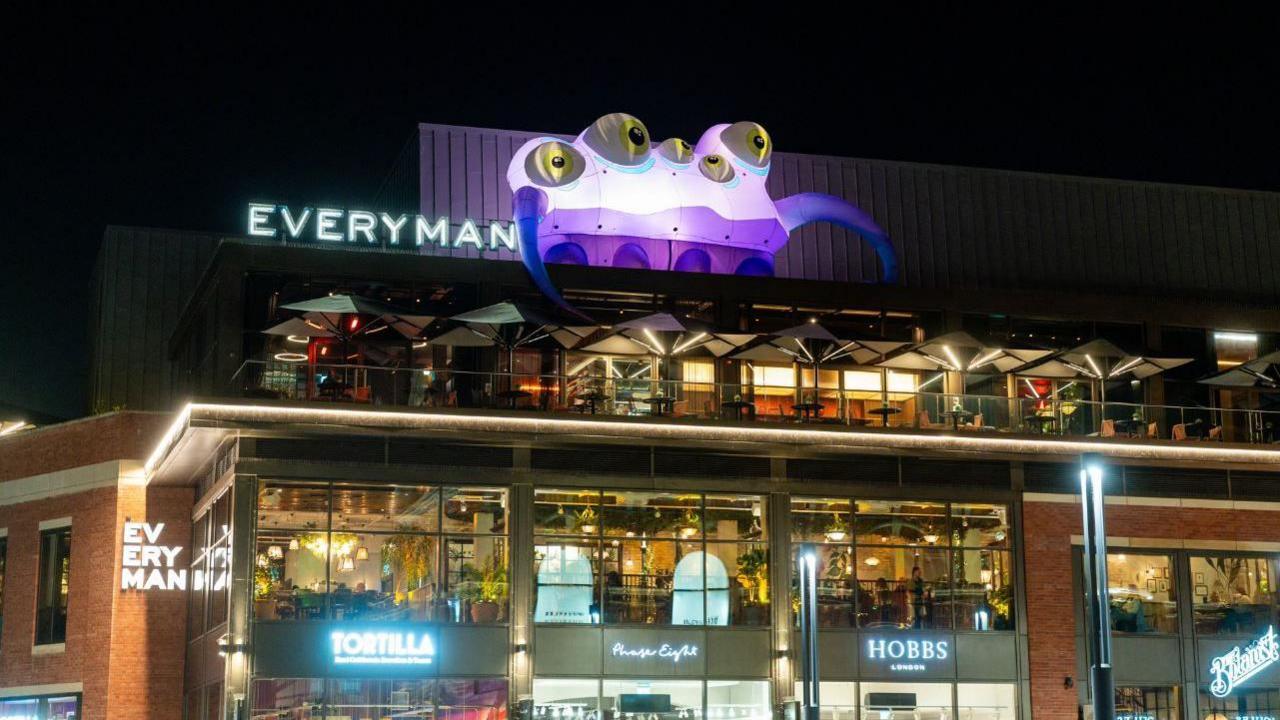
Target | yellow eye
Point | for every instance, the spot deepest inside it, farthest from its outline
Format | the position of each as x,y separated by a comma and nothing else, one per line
676,151
716,168
748,142
619,138
553,164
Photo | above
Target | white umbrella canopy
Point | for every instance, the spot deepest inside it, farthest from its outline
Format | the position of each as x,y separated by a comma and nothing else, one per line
512,324
1262,373
463,336
665,335
1098,359
328,312
961,352
299,327
812,343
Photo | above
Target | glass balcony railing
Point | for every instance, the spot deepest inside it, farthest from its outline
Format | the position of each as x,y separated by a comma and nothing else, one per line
682,400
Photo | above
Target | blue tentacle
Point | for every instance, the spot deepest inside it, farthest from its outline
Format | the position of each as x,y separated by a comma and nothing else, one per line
529,204
806,208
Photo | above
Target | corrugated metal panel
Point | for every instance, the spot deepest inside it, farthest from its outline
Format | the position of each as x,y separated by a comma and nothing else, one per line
142,281
959,228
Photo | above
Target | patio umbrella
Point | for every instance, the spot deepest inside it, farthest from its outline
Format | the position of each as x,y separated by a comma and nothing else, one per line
814,344
1261,373
660,334
342,315
1098,360
961,352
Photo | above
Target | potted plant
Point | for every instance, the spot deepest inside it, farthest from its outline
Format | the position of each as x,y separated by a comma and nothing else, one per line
264,585
753,576
586,522
484,588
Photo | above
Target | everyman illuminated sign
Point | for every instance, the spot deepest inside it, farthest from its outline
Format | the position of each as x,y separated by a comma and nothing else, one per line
363,227
146,564
1229,671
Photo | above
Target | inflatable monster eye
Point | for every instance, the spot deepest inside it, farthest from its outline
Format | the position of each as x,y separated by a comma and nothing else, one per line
619,138
676,150
716,168
553,164
748,142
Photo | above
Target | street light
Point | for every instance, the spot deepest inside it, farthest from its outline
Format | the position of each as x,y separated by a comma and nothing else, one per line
807,556
1095,584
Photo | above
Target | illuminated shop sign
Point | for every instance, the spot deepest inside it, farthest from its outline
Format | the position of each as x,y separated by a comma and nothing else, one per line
146,564
669,652
376,647
364,227
1231,670
906,655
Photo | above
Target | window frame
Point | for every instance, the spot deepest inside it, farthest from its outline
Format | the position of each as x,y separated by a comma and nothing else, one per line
57,570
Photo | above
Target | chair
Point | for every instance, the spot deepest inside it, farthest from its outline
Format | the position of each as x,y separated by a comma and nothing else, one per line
1108,429
1215,433
974,424
1180,431
680,408
361,394
1153,430
927,422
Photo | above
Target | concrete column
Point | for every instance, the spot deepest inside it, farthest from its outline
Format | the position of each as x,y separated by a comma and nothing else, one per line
235,682
785,656
520,577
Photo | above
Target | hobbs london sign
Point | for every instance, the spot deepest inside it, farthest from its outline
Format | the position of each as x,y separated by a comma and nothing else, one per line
912,655
1229,671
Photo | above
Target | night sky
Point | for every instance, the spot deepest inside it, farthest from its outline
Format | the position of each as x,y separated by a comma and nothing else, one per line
176,122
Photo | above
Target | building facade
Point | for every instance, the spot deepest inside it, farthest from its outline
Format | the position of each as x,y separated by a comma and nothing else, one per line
282,525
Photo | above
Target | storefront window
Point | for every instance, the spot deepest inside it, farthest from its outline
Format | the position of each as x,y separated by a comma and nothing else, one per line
1233,594
909,564
1143,593
619,699
469,699
1258,704
1147,703
650,558
379,553
903,701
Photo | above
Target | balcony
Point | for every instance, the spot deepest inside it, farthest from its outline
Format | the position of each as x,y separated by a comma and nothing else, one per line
748,403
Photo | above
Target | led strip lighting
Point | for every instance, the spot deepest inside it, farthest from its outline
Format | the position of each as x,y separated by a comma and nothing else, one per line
679,431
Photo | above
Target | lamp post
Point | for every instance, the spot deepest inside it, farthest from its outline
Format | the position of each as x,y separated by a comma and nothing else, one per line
1102,682
808,559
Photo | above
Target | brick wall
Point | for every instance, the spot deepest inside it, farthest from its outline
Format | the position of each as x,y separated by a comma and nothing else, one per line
1048,527
125,648
81,442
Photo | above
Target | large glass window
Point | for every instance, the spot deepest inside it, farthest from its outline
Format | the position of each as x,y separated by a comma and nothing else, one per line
472,699
905,701
51,598
1142,592
909,564
1233,594
1255,704
650,558
1147,703
379,552
668,699
915,701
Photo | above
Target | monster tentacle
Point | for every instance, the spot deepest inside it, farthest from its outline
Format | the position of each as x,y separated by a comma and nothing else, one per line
529,204
808,208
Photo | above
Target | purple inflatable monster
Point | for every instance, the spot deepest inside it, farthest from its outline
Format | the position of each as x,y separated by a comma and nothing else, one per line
612,198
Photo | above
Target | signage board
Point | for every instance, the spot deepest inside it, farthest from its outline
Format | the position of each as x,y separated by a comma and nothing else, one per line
381,646
333,225
1231,669
665,651
905,653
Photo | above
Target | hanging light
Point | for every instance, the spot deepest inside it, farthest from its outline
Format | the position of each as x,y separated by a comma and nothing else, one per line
262,560
931,538
362,553
872,561
275,552
835,535
346,564
293,544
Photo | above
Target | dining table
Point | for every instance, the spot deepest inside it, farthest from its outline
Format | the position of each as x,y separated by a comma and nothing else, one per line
884,411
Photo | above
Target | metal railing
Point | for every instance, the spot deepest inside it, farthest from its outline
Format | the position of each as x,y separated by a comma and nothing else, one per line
687,400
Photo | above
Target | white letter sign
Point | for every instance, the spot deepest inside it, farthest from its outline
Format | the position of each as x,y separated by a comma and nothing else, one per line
1232,669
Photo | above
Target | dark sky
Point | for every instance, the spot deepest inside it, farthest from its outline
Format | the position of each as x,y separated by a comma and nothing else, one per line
137,119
